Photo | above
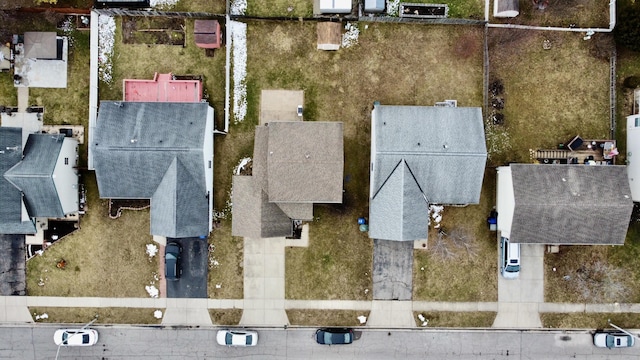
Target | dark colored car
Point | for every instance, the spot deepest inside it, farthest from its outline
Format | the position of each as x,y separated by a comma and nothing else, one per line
172,268
334,336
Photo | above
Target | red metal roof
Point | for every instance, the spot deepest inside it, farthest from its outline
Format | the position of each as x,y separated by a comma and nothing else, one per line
163,88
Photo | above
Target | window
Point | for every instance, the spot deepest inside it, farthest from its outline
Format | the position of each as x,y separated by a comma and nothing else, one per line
66,161
638,122
209,164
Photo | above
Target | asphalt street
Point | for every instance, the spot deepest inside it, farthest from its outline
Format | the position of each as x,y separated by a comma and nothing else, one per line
194,260
297,343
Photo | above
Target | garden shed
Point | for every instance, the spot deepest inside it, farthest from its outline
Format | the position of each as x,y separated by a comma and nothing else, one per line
506,8
207,34
374,6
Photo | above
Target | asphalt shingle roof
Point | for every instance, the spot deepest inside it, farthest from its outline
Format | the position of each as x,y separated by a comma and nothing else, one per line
570,204
10,197
444,150
136,143
34,175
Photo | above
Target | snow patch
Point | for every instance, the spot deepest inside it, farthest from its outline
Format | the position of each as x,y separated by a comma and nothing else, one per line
362,319
241,165
218,286
152,250
393,7
436,215
238,7
152,291
106,34
157,314
239,59
40,317
163,3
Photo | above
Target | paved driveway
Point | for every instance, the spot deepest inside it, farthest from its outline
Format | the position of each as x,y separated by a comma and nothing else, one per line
392,269
193,282
519,299
13,265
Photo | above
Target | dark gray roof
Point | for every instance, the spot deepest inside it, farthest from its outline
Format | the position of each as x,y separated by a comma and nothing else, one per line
570,204
34,175
10,197
13,267
444,151
133,147
175,209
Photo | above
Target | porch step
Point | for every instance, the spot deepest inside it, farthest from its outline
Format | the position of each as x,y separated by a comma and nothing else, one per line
552,154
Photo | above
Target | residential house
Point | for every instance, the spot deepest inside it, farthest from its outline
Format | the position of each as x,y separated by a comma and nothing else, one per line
563,204
295,164
39,179
162,152
422,155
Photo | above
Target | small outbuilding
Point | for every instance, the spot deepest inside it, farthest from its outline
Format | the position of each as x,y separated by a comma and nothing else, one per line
332,6
207,34
374,6
506,8
329,35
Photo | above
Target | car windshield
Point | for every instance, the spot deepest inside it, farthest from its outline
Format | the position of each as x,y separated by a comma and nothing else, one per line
228,339
512,268
248,338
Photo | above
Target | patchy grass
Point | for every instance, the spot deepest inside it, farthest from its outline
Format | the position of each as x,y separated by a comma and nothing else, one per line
550,95
580,13
307,317
210,6
461,9
336,265
225,316
628,64
227,254
280,8
589,320
105,257
595,274
336,89
83,315
478,319
446,272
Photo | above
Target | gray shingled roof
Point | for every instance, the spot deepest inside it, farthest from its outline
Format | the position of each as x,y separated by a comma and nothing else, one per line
34,175
570,204
443,149
401,206
134,146
10,197
305,162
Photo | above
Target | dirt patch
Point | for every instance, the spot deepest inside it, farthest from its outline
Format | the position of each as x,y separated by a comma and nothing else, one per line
153,30
116,206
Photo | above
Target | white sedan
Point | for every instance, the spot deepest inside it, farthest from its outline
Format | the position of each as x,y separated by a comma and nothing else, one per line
612,340
75,337
237,338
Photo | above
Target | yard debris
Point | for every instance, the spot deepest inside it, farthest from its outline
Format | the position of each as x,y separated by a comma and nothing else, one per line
152,291
350,37
239,58
157,314
106,34
362,319
424,320
152,250
218,286
436,215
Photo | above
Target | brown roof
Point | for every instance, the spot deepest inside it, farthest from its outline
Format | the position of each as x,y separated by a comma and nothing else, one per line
305,162
207,34
40,45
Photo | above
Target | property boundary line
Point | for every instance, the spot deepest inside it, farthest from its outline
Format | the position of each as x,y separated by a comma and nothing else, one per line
612,92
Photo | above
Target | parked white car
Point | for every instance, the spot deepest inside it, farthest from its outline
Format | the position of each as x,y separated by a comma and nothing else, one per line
612,340
509,259
237,338
75,337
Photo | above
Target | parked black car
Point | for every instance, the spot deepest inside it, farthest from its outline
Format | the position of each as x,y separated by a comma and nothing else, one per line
172,269
334,336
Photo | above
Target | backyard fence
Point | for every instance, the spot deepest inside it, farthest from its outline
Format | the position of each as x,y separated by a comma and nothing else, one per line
612,92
